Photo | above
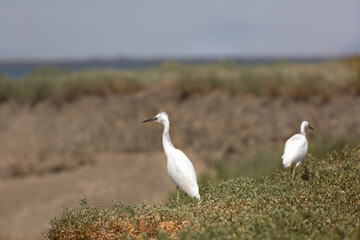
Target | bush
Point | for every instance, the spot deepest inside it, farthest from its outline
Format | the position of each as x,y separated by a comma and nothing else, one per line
322,202
264,161
257,165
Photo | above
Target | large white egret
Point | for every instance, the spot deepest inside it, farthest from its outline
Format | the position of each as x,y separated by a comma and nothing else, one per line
296,148
179,166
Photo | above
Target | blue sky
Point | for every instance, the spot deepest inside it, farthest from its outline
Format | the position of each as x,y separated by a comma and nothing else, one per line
65,29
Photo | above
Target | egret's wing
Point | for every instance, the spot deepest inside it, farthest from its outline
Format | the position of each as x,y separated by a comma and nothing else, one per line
184,165
294,146
295,143
186,173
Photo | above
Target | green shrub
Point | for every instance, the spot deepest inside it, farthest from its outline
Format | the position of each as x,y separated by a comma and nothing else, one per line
257,164
322,144
322,202
263,162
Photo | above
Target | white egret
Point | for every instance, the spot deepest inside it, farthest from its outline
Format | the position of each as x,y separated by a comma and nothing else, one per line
179,166
296,148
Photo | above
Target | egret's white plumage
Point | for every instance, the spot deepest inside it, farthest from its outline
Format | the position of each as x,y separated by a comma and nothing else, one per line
179,166
296,148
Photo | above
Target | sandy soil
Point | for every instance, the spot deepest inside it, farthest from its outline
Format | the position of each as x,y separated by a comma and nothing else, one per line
50,156
29,203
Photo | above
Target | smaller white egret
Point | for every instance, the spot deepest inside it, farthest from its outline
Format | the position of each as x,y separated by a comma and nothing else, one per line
179,166
296,148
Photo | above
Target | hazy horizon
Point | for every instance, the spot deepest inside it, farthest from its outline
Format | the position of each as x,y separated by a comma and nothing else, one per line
49,31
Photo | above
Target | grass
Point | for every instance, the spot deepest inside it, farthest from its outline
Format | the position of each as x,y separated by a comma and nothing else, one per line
257,164
59,86
299,81
322,202
263,162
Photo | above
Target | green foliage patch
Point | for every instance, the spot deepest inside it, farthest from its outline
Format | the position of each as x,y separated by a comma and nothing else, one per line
322,202
264,161
299,81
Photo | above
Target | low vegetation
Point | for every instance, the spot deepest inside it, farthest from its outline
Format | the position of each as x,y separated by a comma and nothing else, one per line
264,161
322,202
293,80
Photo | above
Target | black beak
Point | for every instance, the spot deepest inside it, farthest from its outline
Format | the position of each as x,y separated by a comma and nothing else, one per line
311,128
150,120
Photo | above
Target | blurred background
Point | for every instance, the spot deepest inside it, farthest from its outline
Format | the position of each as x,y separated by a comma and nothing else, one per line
236,78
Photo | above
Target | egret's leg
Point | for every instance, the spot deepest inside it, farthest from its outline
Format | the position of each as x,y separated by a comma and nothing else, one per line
291,172
177,192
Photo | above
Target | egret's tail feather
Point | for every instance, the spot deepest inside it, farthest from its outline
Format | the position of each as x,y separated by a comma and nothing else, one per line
197,196
286,163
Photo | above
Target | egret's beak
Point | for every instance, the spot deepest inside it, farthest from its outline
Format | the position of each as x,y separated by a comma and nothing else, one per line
150,120
311,127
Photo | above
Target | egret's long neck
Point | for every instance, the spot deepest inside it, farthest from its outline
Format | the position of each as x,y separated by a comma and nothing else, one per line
302,130
166,138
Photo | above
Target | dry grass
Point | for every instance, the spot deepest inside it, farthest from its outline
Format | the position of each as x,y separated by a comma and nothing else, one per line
294,80
91,222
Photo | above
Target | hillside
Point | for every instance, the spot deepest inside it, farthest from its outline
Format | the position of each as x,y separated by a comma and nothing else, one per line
322,202
69,134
